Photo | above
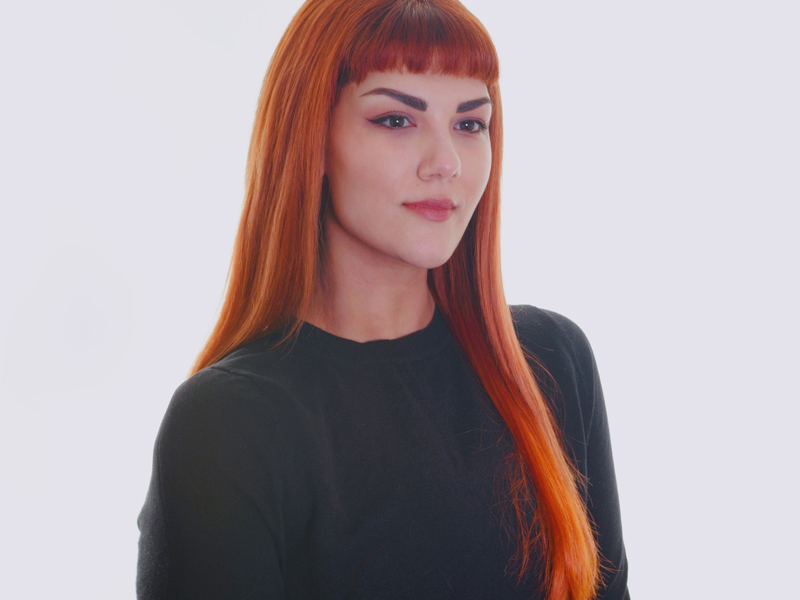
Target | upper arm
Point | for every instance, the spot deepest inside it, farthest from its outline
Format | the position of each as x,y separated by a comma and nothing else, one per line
566,353
212,526
603,497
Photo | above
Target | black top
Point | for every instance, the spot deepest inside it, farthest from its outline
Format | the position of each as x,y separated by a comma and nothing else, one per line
340,469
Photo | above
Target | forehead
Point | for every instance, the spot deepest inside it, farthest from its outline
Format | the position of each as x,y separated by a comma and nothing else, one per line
431,87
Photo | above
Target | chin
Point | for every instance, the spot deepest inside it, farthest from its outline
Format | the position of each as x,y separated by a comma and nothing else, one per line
430,260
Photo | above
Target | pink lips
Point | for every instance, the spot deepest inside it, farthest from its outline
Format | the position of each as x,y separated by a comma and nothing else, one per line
433,209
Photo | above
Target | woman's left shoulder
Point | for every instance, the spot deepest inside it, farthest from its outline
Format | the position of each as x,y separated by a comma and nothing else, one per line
560,355
553,338
561,347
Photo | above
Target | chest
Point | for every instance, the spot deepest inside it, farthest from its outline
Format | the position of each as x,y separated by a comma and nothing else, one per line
405,489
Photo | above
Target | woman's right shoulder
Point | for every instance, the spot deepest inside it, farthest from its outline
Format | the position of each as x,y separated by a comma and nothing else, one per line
223,401
217,387
216,500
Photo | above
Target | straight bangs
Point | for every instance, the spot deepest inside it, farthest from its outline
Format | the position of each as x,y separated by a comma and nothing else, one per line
420,36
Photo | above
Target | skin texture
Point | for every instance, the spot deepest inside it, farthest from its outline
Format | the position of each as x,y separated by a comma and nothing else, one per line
378,252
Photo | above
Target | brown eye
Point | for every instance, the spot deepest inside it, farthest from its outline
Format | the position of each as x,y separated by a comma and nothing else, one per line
393,121
472,125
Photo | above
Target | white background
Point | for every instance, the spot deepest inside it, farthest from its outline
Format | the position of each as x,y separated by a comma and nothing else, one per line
651,184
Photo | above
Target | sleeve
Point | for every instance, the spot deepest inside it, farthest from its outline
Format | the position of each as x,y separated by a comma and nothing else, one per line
211,524
603,497
580,410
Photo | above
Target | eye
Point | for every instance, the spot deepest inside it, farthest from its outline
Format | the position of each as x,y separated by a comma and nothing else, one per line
393,121
471,125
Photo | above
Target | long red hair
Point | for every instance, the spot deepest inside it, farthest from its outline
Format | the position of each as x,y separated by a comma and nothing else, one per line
278,251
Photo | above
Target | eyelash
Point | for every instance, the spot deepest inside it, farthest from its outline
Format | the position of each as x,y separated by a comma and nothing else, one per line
380,120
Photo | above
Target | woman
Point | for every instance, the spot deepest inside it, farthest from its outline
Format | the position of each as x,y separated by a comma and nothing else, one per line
369,418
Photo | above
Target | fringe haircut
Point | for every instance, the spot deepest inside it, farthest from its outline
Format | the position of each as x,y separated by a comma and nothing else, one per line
278,251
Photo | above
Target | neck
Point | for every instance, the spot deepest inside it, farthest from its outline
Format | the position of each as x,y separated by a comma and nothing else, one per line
363,294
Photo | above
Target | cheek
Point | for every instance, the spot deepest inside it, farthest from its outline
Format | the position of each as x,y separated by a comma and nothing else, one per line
480,165
360,168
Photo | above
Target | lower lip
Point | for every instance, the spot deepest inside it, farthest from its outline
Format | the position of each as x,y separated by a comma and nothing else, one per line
432,214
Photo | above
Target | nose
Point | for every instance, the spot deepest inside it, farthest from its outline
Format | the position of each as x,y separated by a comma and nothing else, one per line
439,157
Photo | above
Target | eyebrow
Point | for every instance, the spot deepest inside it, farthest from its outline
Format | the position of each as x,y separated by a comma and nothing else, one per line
420,104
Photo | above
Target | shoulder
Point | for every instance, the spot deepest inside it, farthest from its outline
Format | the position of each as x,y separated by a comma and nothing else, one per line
215,506
250,381
552,337
534,321
224,431
212,404
217,390
560,355
579,408
224,409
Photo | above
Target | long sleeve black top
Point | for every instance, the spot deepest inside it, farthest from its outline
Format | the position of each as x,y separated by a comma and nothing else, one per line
338,469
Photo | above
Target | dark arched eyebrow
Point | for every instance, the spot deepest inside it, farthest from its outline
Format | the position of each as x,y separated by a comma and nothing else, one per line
472,104
420,104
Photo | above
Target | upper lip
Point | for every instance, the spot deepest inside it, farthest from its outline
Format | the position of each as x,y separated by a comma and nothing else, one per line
437,203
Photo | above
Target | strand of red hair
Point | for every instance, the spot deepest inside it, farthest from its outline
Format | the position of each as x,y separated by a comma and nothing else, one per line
279,247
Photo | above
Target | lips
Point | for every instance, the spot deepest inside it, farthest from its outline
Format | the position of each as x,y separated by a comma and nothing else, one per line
433,209
433,203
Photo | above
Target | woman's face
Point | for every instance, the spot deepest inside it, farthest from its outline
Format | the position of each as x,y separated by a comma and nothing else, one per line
399,138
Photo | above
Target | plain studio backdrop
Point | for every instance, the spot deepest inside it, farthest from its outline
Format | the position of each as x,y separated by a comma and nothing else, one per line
650,193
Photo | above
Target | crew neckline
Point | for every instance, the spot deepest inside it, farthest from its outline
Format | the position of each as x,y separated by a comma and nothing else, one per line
416,345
